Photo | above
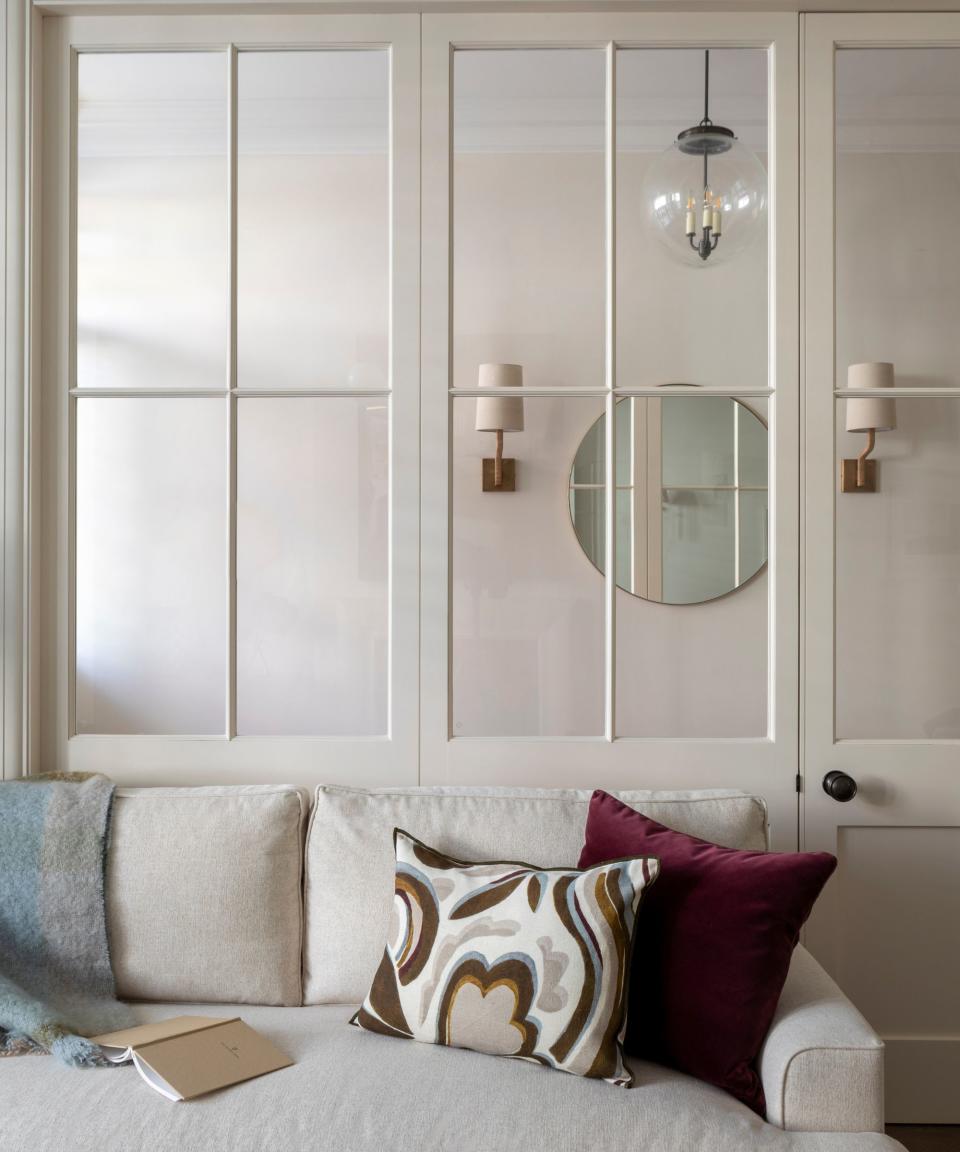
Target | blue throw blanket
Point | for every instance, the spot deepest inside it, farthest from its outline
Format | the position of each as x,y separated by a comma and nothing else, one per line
56,982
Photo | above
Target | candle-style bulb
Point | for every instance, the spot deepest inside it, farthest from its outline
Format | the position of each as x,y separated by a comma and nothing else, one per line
691,215
717,220
707,221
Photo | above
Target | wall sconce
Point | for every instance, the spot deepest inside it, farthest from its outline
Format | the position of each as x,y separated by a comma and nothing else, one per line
871,414
500,414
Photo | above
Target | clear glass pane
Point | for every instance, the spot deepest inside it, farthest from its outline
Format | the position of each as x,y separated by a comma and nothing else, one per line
151,566
528,214
152,220
692,641
898,574
313,235
897,252
528,631
312,567
682,319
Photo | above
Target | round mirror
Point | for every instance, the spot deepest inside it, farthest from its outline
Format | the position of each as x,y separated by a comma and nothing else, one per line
691,481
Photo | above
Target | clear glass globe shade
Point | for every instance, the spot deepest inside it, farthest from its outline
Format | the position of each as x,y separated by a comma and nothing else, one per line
675,177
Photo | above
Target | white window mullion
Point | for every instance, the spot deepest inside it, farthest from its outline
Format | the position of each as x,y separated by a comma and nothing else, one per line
231,693
610,568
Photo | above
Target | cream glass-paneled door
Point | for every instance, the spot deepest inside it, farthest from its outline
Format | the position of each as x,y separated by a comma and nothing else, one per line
603,360
882,383
225,535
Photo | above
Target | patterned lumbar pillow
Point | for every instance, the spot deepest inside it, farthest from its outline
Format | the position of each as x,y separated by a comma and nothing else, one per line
510,959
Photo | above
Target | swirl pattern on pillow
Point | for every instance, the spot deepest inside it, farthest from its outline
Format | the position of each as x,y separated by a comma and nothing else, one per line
509,959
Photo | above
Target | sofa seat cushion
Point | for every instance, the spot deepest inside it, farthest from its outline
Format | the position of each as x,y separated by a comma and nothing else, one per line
349,865
354,1090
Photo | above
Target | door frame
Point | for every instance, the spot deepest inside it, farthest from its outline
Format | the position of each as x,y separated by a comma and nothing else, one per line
765,765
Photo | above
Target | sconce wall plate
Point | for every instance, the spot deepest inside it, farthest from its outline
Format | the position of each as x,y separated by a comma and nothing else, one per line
509,475
848,476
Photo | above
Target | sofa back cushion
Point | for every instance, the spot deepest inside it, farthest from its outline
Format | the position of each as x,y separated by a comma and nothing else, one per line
203,893
349,867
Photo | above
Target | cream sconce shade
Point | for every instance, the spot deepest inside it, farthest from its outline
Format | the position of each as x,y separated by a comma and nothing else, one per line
500,414
870,414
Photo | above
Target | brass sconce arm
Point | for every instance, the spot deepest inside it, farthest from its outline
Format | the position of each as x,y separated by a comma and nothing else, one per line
862,458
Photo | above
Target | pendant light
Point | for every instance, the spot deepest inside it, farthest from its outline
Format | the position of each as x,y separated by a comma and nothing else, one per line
707,193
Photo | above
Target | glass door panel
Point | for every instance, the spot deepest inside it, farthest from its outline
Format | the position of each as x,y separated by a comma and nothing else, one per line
528,215
897,246
313,251
528,604
151,220
231,291
697,534
898,578
678,321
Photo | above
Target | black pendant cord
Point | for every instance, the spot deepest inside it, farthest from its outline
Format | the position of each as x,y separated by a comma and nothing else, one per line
706,87
705,139
706,109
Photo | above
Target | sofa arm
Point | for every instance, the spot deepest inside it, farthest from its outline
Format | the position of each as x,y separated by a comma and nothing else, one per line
821,1064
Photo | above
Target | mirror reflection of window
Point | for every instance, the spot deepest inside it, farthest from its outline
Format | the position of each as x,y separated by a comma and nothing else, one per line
691,481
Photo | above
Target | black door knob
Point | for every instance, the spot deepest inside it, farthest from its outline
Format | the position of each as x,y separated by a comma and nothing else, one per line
839,786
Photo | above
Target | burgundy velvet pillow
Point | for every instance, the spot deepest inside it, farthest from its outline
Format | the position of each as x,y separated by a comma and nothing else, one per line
720,926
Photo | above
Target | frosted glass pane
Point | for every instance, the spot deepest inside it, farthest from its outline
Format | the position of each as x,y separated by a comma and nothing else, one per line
152,220
528,633
312,565
898,297
313,219
676,323
151,566
898,575
693,671
528,214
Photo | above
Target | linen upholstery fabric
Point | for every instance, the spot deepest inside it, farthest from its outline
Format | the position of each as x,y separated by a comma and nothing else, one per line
352,1091
721,936
203,893
510,959
350,859
821,1064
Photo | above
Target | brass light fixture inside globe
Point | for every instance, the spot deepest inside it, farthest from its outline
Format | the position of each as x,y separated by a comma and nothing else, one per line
720,218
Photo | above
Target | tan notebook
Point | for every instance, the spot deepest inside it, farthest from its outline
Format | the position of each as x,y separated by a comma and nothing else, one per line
189,1055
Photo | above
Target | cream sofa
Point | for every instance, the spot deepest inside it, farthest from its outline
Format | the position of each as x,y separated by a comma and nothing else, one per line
271,904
